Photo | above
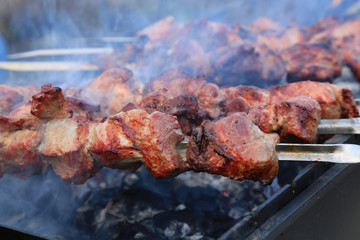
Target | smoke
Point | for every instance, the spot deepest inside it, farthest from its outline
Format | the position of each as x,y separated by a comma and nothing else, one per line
46,203
42,24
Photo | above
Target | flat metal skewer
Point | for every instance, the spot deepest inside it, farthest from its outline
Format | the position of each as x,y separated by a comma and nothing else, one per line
332,153
59,52
339,126
48,66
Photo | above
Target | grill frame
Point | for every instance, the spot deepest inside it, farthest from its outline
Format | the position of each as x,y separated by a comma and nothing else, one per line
300,201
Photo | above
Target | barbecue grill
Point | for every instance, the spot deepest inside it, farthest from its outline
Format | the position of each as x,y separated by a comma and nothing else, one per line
307,200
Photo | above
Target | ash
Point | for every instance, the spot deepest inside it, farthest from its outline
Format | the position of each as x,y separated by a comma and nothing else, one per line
192,206
122,205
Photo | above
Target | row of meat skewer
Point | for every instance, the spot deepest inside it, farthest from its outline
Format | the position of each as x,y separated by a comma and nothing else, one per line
231,131
263,53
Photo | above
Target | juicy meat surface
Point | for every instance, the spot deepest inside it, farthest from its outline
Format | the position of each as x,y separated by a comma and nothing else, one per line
186,108
210,99
76,147
49,103
63,149
234,147
334,101
295,120
312,62
246,64
243,98
18,154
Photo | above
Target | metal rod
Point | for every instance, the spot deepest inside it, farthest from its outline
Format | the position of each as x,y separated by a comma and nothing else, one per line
48,66
333,153
59,52
339,126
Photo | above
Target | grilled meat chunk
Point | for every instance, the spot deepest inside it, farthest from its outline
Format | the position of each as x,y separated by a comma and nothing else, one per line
210,99
186,108
234,147
334,102
295,120
62,147
243,98
246,64
49,103
18,155
312,62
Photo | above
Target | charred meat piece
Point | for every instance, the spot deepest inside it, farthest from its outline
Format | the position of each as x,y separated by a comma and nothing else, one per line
246,64
243,98
312,62
210,99
49,103
334,102
234,147
186,108
295,120
157,136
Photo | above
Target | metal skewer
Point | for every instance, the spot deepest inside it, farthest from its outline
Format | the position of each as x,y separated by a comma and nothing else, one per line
59,52
331,153
334,153
48,66
339,126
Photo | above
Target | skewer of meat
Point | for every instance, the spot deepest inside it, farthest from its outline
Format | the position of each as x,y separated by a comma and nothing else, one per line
189,98
64,136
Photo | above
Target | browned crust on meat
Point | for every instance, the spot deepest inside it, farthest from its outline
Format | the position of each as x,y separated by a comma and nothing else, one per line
312,62
228,147
49,103
295,120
